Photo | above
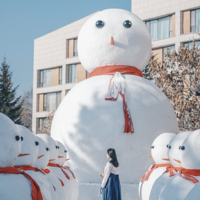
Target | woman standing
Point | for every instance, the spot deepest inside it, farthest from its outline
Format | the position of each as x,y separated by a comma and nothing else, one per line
111,185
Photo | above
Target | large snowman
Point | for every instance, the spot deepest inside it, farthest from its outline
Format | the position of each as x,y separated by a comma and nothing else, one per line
115,107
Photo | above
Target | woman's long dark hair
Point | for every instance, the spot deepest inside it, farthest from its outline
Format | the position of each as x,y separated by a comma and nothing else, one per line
111,152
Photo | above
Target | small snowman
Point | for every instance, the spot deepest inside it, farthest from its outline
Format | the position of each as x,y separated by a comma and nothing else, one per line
172,177
54,166
159,151
115,106
14,184
26,159
190,159
61,161
57,190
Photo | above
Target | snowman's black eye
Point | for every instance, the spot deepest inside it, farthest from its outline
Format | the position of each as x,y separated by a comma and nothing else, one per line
65,151
151,147
99,24
169,147
22,138
127,24
36,143
57,147
182,148
17,137
47,149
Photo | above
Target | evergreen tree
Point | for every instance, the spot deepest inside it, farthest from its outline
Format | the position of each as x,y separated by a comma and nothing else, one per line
9,104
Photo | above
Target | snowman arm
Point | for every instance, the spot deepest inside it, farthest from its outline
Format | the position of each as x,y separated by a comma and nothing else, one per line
107,172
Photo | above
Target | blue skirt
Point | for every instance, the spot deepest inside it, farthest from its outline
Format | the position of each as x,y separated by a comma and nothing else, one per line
112,190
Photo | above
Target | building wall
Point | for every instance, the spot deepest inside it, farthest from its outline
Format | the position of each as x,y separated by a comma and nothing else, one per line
51,51
152,9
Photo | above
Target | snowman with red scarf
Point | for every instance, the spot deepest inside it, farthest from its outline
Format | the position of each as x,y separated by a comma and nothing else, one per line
115,106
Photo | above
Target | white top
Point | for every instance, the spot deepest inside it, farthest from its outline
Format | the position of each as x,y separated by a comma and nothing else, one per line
109,168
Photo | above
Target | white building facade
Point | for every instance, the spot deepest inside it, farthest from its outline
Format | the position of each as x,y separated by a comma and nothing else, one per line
171,23
56,70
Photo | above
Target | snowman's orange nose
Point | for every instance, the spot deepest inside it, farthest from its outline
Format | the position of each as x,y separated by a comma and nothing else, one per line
150,156
112,41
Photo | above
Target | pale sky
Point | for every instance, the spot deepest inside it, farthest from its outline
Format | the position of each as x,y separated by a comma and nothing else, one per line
23,21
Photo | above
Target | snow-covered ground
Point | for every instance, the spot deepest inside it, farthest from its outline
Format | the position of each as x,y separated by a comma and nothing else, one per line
91,191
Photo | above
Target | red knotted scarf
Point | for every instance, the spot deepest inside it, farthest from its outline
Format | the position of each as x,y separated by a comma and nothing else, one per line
172,170
187,174
112,70
29,167
155,166
66,167
48,171
61,167
36,193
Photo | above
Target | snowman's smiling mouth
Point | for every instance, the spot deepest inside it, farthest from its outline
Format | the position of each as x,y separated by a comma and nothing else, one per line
166,159
60,156
25,154
177,161
40,156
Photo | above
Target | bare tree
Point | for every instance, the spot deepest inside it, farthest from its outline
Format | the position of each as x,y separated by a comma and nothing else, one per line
179,78
26,114
46,125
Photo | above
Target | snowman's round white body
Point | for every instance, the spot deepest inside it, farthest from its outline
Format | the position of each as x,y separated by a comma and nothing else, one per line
88,124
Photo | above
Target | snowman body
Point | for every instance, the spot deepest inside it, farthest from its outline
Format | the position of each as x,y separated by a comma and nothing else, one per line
177,188
85,117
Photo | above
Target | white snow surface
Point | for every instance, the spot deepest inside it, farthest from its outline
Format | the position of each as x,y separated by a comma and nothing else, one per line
88,125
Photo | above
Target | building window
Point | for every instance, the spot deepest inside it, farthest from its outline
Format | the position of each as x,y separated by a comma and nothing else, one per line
51,101
71,73
189,44
160,52
41,124
72,48
195,20
161,28
50,77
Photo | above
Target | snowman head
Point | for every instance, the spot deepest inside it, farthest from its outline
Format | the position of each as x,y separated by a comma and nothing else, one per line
174,146
114,37
159,148
29,147
10,142
43,156
61,154
189,151
51,144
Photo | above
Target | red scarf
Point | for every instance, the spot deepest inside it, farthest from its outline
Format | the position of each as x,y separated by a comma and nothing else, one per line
116,85
47,171
155,166
36,193
61,167
187,174
66,167
29,167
